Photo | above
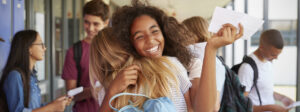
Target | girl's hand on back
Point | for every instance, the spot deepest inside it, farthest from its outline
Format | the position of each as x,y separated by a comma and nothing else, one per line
226,35
124,78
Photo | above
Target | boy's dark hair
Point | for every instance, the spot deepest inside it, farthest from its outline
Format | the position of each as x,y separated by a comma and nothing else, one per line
96,8
272,37
123,18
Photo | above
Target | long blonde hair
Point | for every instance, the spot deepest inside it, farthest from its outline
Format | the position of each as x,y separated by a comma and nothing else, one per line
199,26
107,58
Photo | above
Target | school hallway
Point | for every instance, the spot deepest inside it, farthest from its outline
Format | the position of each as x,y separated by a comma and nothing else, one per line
60,24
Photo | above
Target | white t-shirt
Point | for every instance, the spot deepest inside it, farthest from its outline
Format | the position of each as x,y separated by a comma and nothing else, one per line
195,69
264,81
177,98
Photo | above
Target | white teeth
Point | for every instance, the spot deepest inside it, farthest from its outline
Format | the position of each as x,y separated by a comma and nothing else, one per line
153,49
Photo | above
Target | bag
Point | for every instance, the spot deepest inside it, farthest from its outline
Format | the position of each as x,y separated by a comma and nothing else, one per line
233,99
252,63
162,104
77,49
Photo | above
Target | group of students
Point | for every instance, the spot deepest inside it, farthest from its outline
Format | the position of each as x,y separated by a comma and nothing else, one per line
144,52
160,62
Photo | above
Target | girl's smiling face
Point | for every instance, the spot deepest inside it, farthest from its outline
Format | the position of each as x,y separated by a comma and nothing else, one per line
147,37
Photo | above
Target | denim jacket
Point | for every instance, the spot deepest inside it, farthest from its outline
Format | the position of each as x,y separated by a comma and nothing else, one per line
13,88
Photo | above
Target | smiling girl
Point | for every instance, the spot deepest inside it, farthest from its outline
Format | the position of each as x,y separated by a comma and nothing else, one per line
146,31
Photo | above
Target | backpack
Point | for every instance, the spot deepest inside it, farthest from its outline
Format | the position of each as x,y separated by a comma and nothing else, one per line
233,99
162,104
252,63
77,49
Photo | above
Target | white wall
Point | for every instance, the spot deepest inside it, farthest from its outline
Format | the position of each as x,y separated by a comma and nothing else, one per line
183,8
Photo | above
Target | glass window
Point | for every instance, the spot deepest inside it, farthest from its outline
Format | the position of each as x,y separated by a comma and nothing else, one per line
39,26
74,21
58,43
71,23
255,9
79,20
287,29
57,12
283,17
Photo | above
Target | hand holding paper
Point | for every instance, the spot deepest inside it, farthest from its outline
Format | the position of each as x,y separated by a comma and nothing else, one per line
222,16
75,91
296,104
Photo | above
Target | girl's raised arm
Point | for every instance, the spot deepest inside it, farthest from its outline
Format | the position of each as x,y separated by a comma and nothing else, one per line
206,93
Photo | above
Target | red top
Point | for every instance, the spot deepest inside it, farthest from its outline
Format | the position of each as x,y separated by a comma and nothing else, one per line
70,73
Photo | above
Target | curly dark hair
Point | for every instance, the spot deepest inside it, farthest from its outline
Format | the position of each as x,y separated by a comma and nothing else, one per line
122,21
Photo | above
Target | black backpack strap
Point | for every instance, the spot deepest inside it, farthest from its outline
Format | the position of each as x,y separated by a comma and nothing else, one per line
252,63
227,69
221,59
77,47
223,63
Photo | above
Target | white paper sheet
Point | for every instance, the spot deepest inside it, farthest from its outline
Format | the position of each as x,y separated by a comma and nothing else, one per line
97,84
75,91
222,16
296,104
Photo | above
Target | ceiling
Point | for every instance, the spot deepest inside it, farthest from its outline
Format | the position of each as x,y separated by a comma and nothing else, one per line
182,9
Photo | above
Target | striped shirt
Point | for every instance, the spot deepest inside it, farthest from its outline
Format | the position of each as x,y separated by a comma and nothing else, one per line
184,85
